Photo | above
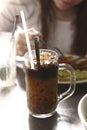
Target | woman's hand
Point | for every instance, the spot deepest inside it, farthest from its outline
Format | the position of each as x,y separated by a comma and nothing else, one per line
21,45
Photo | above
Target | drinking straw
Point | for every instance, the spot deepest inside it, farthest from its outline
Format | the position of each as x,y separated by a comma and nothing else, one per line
15,24
27,38
36,39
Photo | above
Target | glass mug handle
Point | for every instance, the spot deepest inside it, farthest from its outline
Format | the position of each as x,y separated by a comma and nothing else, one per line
72,86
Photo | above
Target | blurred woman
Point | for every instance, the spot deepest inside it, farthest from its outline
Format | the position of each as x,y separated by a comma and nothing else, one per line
62,23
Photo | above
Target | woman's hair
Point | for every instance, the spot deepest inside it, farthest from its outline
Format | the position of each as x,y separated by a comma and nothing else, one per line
48,14
79,45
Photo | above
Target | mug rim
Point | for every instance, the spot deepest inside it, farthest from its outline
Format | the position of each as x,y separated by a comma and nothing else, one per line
50,50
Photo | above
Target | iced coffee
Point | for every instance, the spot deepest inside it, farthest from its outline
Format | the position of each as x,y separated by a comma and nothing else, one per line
41,83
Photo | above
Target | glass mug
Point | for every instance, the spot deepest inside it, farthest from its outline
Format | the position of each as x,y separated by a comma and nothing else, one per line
7,60
42,83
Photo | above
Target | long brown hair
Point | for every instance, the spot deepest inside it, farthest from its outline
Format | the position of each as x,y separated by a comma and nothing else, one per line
48,13
79,45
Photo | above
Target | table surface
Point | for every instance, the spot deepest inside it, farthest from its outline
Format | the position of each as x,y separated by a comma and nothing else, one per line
14,112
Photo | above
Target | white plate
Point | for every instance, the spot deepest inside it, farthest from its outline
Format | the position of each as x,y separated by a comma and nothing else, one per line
77,82
19,58
19,61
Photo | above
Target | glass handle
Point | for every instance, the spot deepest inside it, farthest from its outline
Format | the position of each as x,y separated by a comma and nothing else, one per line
68,93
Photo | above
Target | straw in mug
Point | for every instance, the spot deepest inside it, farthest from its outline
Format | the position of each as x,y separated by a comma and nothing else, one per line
36,39
15,24
27,38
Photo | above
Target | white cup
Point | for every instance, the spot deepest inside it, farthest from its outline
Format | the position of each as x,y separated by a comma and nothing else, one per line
82,111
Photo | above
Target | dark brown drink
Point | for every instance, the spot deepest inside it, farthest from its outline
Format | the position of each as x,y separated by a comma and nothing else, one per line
41,85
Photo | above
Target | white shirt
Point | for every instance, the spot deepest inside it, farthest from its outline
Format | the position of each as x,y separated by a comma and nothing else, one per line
61,35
